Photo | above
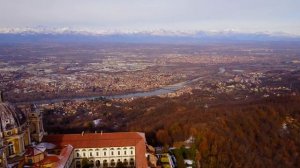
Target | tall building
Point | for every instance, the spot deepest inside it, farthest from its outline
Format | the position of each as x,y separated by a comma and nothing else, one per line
35,119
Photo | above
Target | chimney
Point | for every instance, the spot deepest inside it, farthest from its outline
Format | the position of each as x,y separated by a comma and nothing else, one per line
82,133
101,132
1,97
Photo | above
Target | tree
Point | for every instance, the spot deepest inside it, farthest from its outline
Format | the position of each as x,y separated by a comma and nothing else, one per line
163,137
120,165
86,163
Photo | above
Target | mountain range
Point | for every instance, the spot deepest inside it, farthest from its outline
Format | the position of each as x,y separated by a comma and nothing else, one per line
42,34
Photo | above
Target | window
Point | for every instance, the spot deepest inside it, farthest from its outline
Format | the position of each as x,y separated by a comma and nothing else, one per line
119,163
119,153
97,153
125,153
125,162
92,163
10,149
97,163
104,153
78,155
112,153
131,161
131,152
105,164
83,154
91,154
78,164
112,162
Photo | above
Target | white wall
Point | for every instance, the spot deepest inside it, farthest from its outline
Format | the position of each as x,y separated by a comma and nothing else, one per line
107,154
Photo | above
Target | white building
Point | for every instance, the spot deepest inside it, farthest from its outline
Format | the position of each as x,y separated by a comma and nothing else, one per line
126,149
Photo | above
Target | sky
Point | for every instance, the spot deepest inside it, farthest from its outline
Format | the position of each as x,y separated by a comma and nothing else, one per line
148,15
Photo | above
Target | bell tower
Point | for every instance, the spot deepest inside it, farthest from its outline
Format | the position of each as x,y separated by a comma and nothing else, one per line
36,124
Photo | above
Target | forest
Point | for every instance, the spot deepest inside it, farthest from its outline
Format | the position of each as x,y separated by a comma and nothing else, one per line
257,133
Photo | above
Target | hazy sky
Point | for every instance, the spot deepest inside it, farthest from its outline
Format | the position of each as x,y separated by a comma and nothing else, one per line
215,15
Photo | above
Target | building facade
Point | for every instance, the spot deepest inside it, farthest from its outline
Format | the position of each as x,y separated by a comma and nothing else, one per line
122,149
14,133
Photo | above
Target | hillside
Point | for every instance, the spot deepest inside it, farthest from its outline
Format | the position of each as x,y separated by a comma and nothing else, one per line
261,133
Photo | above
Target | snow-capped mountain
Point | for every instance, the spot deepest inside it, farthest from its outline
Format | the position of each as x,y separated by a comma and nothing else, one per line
67,34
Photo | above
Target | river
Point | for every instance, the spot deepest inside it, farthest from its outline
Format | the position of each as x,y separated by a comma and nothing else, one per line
156,92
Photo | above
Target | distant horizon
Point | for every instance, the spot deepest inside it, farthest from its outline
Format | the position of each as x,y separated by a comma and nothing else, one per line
245,16
158,32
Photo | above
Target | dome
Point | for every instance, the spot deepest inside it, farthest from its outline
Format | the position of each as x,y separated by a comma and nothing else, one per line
10,117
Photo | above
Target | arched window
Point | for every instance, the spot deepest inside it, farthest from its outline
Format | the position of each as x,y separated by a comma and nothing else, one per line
131,162
92,163
105,164
125,162
10,148
77,154
91,154
131,151
119,163
119,152
83,152
97,163
112,162
78,164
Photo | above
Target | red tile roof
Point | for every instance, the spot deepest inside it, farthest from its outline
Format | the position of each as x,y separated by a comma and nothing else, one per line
98,140
59,161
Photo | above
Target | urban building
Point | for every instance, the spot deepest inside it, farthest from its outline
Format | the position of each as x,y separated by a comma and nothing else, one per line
122,149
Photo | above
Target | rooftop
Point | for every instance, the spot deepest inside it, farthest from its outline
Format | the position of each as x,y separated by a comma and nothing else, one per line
102,140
